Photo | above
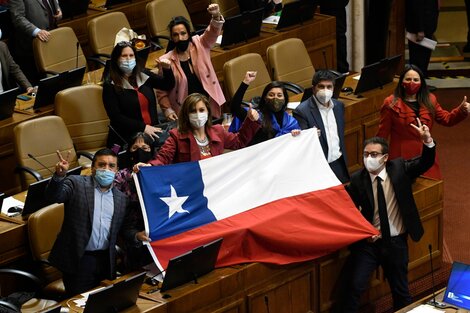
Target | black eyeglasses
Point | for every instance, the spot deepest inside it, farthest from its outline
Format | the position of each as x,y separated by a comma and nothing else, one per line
124,44
372,154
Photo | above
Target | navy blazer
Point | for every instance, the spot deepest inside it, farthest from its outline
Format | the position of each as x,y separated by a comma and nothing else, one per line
402,174
78,195
308,115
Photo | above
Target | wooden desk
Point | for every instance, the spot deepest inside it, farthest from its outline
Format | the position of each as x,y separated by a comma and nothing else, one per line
439,297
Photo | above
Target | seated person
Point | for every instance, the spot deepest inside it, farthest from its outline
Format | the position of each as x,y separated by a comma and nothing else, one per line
327,115
275,121
128,94
11,75
196,138
191,64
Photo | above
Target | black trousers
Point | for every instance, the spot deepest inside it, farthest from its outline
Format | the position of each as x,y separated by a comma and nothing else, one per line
420,56
93,268
365,258
340,169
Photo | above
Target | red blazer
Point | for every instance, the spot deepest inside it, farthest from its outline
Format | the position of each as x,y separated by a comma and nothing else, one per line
395,120
183,147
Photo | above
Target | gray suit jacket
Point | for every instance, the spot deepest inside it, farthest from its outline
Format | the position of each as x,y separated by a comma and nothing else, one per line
11,72
77,194
26,16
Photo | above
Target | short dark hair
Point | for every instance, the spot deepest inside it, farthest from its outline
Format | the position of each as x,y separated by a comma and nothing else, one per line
177,20
377,140
146,138
322,75
104,151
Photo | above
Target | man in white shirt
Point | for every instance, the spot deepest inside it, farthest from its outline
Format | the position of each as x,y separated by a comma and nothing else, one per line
327,115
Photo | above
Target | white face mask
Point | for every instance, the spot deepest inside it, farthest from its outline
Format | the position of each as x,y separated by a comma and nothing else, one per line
373,164
324,95
198,120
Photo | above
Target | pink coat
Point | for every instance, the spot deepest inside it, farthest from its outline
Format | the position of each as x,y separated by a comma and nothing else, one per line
200,52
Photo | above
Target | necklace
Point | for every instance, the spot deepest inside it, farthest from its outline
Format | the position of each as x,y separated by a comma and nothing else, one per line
202,142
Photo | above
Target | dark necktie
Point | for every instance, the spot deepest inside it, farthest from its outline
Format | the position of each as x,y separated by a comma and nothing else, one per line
384,225
49,13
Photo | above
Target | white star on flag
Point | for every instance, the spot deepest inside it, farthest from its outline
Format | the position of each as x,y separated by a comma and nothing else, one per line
175,203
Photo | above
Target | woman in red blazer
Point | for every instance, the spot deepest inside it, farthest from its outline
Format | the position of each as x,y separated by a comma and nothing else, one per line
412,100
196,138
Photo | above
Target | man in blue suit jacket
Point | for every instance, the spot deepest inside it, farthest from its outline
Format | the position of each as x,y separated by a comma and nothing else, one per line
327,115
94,214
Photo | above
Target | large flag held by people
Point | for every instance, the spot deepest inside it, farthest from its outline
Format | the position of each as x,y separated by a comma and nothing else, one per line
275,202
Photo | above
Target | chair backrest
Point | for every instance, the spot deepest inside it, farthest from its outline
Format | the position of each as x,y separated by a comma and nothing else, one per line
234,72
228,7
288,60
59,53
83,112
160,13
42,137
43,227
102,31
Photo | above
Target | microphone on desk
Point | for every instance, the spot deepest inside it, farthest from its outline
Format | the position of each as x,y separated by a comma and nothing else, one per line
125,145
40,163
433,301
76,58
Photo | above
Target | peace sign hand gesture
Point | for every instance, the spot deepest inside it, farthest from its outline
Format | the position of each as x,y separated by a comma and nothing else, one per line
423,131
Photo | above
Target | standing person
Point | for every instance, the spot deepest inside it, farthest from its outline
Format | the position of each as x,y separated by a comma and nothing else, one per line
327,115
192,66
275,121
466,48
10,73
421,20
383,192
128,94
32,19
197,139
412,100
94,214
337,8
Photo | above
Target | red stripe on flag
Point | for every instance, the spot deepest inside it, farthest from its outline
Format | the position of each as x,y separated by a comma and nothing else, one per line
294,229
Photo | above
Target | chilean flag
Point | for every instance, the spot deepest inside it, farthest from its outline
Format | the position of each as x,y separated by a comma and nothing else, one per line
274,202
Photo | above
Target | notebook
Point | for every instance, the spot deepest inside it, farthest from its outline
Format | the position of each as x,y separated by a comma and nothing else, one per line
191,265
8,102
116,297
458,287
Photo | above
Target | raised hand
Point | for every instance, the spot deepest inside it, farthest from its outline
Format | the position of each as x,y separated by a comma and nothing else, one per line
63,165
214,10
423,131
252,114
465,104
249,77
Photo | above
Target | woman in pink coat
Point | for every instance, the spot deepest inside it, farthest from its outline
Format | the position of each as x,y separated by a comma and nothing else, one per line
192,66
412,100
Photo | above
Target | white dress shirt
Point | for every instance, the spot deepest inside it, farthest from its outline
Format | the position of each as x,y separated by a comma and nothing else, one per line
331,130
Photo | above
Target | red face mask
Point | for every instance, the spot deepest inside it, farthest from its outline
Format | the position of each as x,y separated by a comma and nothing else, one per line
411,88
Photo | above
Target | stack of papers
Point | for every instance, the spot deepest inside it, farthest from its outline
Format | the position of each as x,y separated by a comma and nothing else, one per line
273,19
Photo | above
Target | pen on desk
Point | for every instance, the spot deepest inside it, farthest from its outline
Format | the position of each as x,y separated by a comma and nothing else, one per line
152,291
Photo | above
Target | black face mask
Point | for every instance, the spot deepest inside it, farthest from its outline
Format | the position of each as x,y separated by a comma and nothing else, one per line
275,105
182,45
140,155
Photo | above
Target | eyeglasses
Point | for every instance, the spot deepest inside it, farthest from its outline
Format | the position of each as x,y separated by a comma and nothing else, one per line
372,154
124,44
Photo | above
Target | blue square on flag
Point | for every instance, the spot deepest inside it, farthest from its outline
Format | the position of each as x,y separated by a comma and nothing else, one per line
174,199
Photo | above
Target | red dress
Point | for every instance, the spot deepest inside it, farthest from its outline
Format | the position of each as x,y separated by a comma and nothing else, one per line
395,120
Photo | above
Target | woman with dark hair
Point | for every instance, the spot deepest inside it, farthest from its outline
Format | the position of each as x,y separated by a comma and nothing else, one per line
191,64
128,94
412,100
196,138
275,121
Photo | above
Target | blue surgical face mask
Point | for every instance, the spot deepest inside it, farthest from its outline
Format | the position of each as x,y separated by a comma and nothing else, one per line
104,177
127,66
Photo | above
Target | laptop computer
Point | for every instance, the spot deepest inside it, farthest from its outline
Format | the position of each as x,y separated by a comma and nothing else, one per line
35,198
296,12
458,287
73,77
191,265
369,78
241,27
8,102
389,67
115,298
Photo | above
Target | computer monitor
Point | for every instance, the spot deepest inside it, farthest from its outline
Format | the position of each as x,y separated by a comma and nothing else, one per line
191,265
8,102
116,297
369,78
73,77
296,12
389,67
249,5
241,27
458,287
72,8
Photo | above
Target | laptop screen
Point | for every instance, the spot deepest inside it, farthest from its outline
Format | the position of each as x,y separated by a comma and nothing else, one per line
458,287
8,102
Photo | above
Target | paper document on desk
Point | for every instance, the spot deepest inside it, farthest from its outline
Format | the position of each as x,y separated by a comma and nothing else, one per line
424,308
10,202
273,19
219,39
426,42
